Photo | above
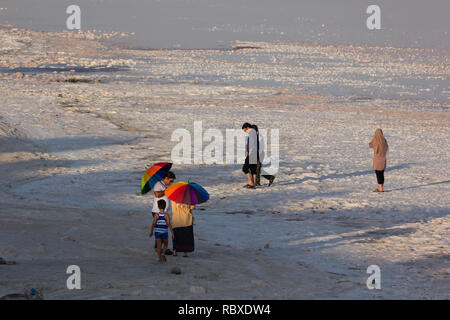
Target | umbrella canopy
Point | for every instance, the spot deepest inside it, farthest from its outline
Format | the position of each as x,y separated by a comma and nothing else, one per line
187,192
154,174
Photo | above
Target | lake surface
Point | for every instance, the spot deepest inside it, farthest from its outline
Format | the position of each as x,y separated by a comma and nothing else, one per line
218,24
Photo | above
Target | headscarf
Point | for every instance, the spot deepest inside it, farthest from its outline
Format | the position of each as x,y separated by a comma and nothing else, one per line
379,143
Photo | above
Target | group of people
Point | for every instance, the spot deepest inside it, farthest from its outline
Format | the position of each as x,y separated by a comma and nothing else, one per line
180,223
255,154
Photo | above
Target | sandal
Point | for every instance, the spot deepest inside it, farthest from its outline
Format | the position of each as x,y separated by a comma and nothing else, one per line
249,186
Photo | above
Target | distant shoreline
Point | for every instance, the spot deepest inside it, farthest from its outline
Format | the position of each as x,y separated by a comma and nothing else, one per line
233,44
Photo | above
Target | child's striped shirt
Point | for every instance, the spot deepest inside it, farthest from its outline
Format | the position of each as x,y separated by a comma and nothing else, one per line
161,224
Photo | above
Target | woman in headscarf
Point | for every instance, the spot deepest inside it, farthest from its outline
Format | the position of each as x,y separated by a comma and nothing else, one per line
182,224
380,149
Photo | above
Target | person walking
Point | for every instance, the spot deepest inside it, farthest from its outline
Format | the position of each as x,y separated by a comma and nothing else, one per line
183,228
251,159
158,191
261,152
160,228
380,148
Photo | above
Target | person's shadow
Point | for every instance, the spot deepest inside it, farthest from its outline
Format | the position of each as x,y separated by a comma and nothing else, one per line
420,186
344,175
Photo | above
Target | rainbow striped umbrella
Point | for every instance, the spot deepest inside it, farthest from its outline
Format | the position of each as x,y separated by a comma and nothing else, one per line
154,174
187,192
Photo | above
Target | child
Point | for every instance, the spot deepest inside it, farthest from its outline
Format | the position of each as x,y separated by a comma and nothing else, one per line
161,224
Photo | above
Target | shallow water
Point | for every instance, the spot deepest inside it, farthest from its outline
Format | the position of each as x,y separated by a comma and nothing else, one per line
218,24
339,73
334,69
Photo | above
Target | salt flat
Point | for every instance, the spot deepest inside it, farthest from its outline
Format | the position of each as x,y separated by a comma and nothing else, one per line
73,152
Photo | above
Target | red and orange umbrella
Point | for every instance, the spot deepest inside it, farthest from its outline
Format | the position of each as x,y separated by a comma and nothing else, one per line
154,174
187,192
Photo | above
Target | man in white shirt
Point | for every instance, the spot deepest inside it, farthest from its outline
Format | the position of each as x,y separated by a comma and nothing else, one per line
158,190
252,156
